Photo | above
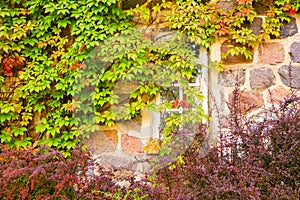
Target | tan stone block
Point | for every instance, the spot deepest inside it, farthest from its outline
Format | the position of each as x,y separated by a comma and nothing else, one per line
232,77
102,142
247,101
131,145
271,53
277,95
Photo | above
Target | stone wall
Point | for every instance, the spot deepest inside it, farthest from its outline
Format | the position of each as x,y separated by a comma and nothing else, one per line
263,80
266,79
122,146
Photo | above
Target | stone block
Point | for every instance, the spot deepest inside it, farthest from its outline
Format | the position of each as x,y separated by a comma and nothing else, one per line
246,101
232,77
136,163
271,53
118,162
102,142
236,59
289,29
295,52
261,78
256,26
262,6
290,75
227,5
277,95
131,145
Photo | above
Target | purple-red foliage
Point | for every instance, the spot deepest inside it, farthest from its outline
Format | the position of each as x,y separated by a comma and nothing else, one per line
46,174
43,174
254,159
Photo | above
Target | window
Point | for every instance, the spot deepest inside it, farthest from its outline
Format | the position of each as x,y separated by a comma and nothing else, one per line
175,93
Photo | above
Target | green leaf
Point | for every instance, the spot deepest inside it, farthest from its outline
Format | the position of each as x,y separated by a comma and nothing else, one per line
18,131
63,23
40,128
5,137
39,107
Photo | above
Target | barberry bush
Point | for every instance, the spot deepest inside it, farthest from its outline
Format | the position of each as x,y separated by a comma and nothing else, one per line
256,158
45,173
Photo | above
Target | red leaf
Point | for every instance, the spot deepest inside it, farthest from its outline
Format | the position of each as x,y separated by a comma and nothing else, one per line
184,104
292,11
18,62
11,60
175,104
5,60
8,73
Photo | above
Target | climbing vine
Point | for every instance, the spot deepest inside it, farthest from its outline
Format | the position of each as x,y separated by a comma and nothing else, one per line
44,43
205,22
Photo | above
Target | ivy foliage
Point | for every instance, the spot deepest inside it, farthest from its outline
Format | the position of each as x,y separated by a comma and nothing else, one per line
206,22
147,67
45,45
50,38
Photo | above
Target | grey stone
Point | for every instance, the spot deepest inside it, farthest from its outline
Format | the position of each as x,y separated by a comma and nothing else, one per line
232,77
137,163
290,75
289,29
261,78
256,26
295,52
118,162
227,5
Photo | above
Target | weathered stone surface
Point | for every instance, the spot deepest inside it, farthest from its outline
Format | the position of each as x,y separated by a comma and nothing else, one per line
289,29
261,7
271,53
136,163
295,52
232,77
163,36
234,59
133,125
261,78
247,101
131,145
102,141
119,162
278,95
290,76
256,26
227,5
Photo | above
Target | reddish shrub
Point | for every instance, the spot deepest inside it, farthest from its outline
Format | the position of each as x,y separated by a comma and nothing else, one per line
46,174
253,160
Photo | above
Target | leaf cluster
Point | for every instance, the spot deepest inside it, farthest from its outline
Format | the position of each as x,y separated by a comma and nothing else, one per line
44,173
204,22
50,40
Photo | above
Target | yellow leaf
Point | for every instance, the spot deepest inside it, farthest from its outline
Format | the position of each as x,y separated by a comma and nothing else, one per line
152,147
